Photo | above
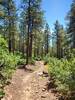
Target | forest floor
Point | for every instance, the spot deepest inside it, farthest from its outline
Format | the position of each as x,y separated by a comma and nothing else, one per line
30,84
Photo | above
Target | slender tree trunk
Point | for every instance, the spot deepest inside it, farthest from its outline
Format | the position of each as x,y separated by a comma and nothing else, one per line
30,50
28,38
31,41
19,42
9,45
38,51
13,43
73,40
52,47
9,29
47,45
42,52
13,37
34,52
23,47
58,47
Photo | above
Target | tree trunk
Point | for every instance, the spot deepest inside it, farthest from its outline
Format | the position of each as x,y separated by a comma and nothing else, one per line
30,50
28,38
47,45
9,30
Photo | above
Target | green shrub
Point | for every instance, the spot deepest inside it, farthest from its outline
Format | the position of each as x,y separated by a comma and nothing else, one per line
37,58
63,72
3,43
1,94
46,59
70,53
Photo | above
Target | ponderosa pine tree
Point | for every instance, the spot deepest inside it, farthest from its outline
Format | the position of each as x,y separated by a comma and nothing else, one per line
59,32
33,21
71,26
23,33
47,38
11,24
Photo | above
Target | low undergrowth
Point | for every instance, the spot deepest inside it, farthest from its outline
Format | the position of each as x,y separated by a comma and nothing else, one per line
63,73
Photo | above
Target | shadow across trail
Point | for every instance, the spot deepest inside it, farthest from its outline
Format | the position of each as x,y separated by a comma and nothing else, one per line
26,68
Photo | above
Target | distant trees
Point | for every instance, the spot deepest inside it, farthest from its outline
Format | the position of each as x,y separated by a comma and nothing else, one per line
47,38
64,38
59,35
9,22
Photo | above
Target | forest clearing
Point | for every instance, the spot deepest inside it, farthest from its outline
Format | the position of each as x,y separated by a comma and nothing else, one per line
37,50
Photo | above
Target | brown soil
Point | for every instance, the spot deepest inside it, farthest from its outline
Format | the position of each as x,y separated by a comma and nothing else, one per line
30,84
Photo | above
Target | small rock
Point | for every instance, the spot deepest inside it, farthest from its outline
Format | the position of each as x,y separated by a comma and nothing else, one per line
45,74
43,96
36,91
44,89
24,91
40,73
27,89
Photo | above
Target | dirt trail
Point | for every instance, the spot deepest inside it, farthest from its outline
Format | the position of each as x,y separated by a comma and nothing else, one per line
29,85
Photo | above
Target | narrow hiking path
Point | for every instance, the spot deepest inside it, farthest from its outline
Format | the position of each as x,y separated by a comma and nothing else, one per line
29,85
